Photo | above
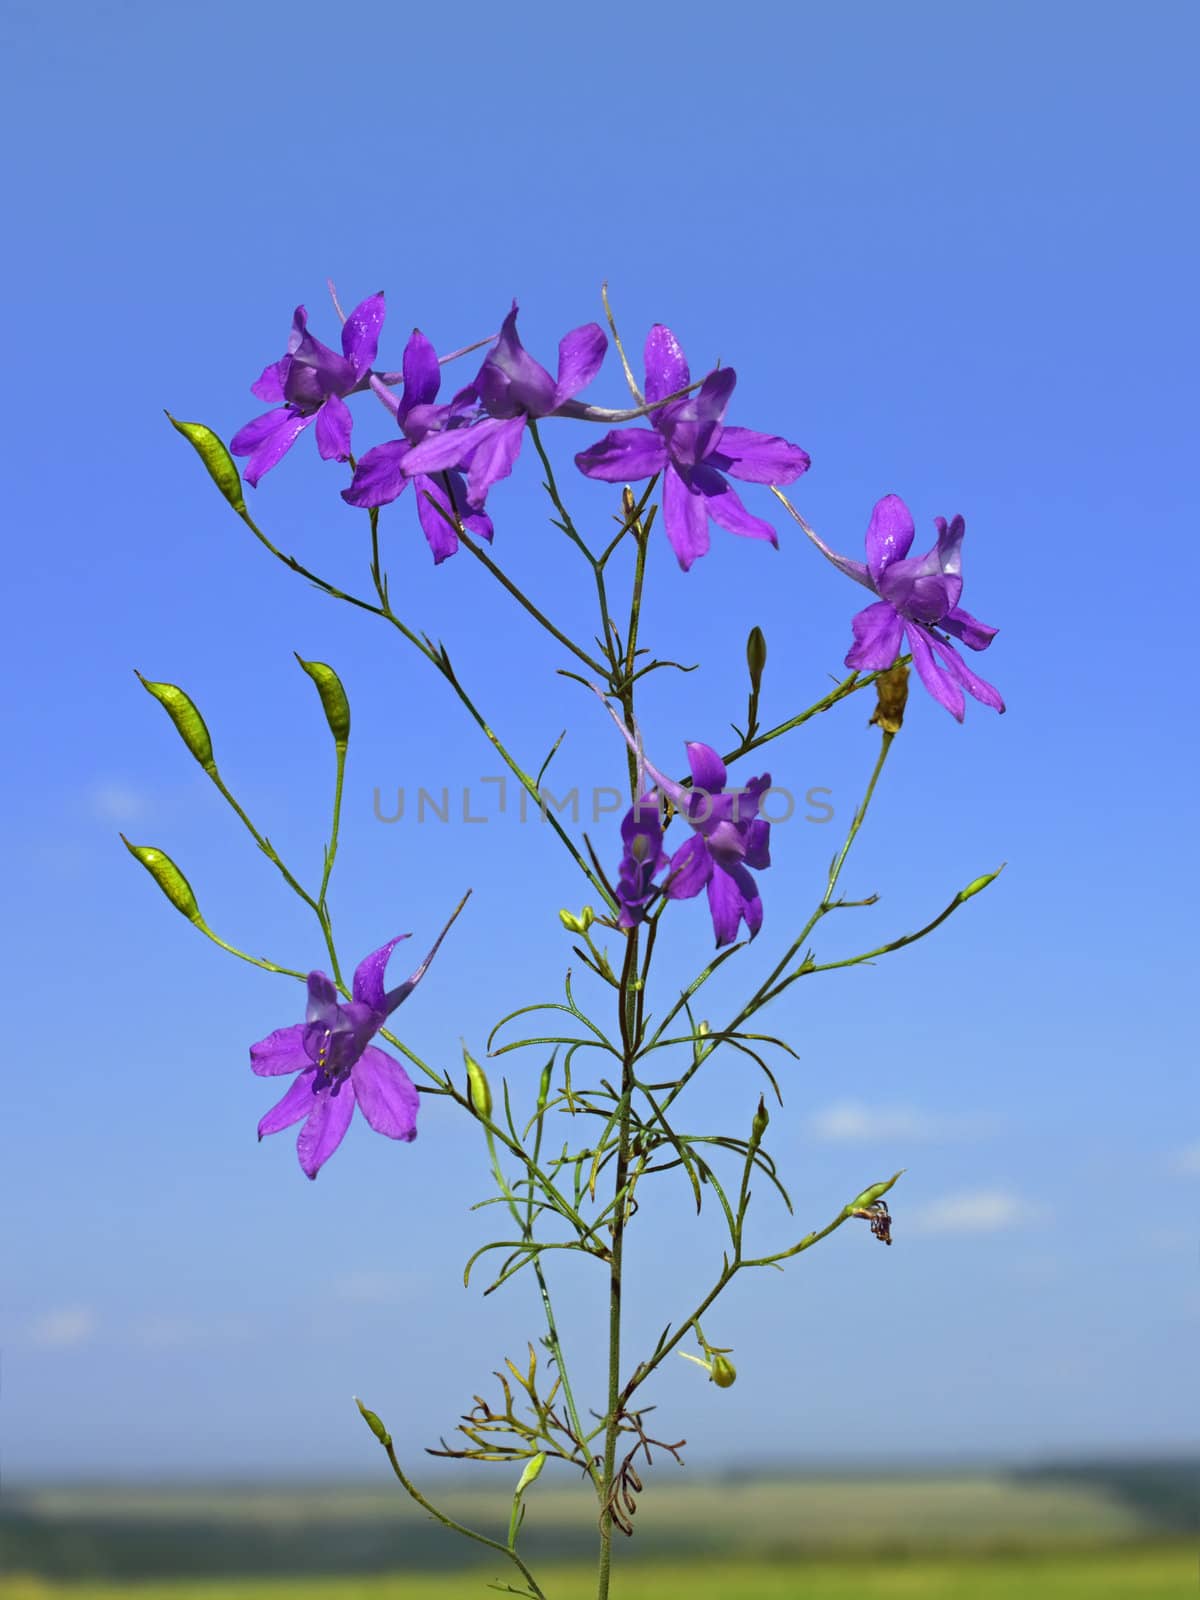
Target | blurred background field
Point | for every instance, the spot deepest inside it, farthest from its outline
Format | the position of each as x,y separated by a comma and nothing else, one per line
1093,1531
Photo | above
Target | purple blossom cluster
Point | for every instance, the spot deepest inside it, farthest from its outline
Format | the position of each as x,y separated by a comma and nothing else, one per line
453,453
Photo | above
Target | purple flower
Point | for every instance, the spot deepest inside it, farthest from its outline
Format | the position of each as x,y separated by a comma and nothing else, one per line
338,1066
728,837
380,476
312,381
642,834
691,446
918,599
513,388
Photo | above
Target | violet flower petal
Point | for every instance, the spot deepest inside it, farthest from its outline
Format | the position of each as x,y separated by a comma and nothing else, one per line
280,1052
624,456
379,476
709,773
732,898
949,543
266,440
758,457
580,357
685,517
422,374
450,447
386,1094
333,429
974,634
300,1101
889,534
666,365
689,869
878,634
971,682
325,1128
724,506
440,534
367,987
269,386
510,382
758,844
944,689
360,334
496,448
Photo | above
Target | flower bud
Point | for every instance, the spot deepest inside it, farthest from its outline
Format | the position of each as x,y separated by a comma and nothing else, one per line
168,878
216,458
761,1118
892,689
979,884
756,657
703,1030
479,1090
532,1471
724,1373
577,924
374,1423
333,698
188,721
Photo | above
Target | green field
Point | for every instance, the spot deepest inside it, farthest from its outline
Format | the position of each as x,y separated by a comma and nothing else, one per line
1116,1531
1167,1573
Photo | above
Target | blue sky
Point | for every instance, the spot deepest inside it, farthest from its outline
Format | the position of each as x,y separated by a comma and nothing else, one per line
946,249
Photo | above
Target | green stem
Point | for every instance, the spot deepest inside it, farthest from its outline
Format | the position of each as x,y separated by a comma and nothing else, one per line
503,579
411,1489
613,1412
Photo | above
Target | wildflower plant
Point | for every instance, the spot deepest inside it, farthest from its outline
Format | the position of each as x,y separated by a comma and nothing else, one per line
595,1118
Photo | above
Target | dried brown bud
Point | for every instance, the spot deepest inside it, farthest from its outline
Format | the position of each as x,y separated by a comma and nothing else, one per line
879,1217
892,688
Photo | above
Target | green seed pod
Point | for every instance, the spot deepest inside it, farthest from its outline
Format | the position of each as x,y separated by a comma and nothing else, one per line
724,1373
479,1090
168,878
979,884
876,1192
756,657
374,1423
216,458
532,1471
188,721
333,699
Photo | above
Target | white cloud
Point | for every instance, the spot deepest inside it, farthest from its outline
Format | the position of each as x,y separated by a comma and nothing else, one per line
63,1328
1185,1163
119,802
854,1122
974,1211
